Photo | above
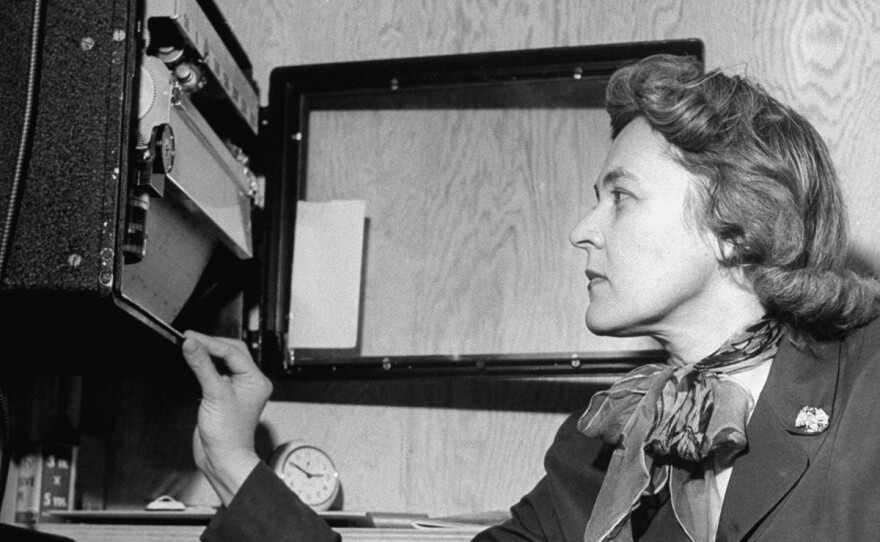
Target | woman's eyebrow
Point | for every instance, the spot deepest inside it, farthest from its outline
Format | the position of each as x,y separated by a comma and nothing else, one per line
612,176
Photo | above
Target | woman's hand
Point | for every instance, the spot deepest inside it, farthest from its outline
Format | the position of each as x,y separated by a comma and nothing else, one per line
232,399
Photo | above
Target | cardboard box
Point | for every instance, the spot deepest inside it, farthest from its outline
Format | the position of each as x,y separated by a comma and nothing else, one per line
46,479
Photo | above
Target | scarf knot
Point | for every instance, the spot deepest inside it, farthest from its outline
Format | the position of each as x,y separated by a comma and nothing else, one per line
685,427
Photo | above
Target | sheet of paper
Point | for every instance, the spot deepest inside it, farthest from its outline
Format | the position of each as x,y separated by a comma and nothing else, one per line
326,281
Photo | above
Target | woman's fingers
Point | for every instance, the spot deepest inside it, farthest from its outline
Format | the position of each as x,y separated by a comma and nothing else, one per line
199,360
233,352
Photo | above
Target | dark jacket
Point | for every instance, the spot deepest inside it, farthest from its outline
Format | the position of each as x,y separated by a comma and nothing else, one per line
788,485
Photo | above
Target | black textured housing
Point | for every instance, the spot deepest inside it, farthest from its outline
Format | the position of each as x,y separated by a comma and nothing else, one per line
58,284
70,198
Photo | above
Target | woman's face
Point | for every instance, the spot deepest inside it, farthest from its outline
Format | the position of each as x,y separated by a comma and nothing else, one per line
650,269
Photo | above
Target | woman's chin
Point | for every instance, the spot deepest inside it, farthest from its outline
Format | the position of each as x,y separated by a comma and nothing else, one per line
600,323
599,326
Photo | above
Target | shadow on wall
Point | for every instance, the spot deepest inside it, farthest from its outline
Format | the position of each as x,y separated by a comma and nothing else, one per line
864,260
527,394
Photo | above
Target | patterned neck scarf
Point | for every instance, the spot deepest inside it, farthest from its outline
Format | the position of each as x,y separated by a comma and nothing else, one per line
664,422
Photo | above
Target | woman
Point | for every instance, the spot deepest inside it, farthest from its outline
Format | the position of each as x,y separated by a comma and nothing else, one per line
719,231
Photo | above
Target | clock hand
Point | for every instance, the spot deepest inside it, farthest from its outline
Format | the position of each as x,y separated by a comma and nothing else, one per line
304,471
307,473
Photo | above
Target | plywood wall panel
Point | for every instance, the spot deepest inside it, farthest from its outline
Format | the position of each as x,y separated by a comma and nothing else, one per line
454,466
453,448
288,32
830,71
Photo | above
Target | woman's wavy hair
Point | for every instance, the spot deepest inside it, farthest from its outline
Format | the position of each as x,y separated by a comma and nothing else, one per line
769,189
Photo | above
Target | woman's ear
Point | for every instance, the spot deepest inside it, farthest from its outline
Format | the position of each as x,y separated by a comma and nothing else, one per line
723,249
725,253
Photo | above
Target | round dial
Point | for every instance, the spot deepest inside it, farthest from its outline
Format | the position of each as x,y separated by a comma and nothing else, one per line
309,472
164,160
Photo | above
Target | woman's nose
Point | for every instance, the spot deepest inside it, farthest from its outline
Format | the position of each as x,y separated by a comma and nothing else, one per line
586,233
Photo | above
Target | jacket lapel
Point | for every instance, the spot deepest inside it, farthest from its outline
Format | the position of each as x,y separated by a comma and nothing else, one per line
779,451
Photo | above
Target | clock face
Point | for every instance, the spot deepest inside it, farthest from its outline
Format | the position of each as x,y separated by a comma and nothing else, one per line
310,473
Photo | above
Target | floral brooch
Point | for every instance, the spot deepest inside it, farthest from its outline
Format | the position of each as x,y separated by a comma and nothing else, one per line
811,420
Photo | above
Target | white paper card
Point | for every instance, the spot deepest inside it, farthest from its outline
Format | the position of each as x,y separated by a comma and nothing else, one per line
326,281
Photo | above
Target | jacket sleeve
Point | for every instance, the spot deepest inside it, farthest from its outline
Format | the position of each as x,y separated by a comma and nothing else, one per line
557,509
266,510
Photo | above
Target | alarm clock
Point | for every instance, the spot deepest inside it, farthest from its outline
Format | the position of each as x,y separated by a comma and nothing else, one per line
308,471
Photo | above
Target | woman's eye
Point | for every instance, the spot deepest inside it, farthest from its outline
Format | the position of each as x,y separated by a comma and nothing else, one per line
619,196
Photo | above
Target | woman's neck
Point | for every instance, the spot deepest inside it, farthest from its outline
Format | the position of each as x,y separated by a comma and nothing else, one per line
690,342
